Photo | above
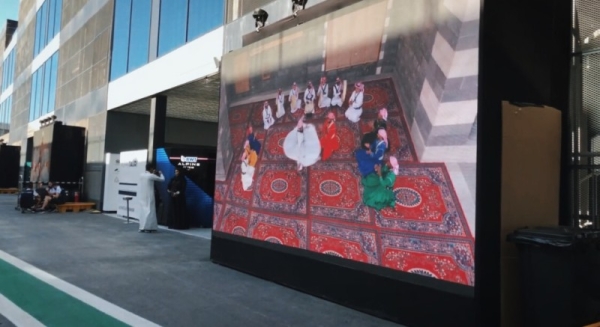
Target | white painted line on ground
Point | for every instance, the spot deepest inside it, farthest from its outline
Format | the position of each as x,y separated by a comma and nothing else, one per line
78,293
16,315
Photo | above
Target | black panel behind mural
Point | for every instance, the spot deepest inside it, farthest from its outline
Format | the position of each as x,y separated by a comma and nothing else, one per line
68,154
9,166
58,154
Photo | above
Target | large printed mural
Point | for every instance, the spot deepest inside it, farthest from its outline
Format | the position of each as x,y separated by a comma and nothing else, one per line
42,148
353,135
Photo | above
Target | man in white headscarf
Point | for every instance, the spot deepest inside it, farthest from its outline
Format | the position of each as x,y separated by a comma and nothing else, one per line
293,98
309,100
338,91
323,93
355,103
147,200
279,101
267,114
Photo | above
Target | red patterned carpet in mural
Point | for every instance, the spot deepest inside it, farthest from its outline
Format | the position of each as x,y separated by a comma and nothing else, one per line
320,208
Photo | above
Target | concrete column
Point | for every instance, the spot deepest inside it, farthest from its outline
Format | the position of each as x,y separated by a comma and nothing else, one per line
154,25
158,123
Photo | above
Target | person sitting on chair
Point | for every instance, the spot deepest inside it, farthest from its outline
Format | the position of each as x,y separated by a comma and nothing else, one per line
53,196
39,194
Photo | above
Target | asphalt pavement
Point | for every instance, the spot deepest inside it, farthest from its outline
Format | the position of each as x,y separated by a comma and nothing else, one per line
164,277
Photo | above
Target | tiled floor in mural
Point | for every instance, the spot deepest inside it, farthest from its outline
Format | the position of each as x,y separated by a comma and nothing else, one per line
426,233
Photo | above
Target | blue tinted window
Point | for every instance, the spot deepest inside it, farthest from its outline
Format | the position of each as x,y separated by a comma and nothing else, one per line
139,41
47,86
120,47
40,93
8,71
38,27
172,25
53,77
47,24
33,98
204,16
44,30
57,18
51,19
9,108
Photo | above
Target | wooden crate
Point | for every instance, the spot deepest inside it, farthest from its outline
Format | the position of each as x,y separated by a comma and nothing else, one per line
75,206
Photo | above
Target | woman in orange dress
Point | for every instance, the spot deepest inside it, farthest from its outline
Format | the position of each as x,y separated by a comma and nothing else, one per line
330,142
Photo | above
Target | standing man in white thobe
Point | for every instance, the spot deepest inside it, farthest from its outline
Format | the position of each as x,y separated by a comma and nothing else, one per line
279,101
293,98
267,115
323,94
309,98
145,194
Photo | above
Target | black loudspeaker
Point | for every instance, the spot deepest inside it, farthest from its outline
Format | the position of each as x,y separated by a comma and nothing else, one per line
9,166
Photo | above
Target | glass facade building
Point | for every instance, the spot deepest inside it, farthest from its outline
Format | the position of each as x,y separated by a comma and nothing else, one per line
179,22
47,24
8,73
43,88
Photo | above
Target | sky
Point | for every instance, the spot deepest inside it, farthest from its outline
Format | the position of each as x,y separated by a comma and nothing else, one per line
9,9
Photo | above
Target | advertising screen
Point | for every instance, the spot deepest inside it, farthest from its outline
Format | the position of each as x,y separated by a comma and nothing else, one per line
354,135
197,165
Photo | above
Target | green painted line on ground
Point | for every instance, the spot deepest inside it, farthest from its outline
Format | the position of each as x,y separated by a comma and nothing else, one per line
47,304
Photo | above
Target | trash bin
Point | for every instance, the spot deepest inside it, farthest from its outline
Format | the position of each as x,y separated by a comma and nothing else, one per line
559,271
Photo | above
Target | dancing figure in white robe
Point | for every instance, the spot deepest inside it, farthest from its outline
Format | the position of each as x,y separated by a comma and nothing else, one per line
279,101
267,114
146,199
338,88
302,145
323,94
355,103
309,100
295,102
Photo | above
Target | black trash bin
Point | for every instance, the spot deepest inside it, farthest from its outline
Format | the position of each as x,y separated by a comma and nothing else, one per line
559,275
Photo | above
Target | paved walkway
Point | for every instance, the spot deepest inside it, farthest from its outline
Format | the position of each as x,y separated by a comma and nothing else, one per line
95,270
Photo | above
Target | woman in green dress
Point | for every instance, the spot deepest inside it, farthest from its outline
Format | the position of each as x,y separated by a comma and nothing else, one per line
378,191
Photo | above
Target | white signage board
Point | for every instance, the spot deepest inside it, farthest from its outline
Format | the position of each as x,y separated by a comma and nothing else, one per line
110,200
131,165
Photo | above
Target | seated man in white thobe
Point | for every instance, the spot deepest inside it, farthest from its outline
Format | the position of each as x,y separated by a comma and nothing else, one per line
355,103
145,195
338,89
267,114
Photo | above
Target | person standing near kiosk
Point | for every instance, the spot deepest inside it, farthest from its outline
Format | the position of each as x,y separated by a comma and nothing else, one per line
148,221
177,216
